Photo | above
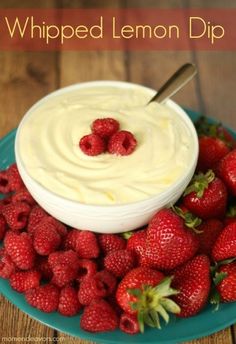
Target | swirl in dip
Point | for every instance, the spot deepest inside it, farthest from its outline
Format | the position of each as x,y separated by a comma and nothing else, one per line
50,134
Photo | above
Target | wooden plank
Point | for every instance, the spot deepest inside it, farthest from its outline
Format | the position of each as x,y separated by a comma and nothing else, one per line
222,337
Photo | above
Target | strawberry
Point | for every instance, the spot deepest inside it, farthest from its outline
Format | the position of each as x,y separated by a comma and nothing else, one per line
105,127
44,297
87,268
63,274
46,238
230,215
209,231
137,244
16,215
193,282
122,143
14,178
226,170
225,245
23,195
144,291
92,145
169,242
24,280
111,242
227,287
3,227
68,301
36,215
206,196
20,248
99,317
7,266
119,262
86,245
100,285
129,323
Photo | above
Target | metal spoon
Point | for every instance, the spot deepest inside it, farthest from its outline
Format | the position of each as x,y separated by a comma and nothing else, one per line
180,78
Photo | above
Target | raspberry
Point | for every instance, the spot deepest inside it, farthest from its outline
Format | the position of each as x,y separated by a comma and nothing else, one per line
16,215
4,183
63,274
7,267
122,143
3,227
86,245
20,248
111,242
92,144
87,268
23,195
99,317
36,215
100,285
24,280
14,178
44,268
105,127
68,301
60,257
71,239
129,323
46,238
119,262
59,227
44,297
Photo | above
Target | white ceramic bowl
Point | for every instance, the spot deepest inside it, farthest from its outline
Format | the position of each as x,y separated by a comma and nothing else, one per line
112,218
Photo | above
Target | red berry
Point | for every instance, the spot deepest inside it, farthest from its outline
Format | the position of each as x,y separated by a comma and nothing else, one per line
225,244
129,323
92,144
99,317
24,280
122,143
7,266
209,231
68,301
111,242
16,215
23,195
36,215
4,183
227,287
44,268
3,227
59,227
119,262
46,238
20,248
87,268
100,285
71,239
226,170
14,178
105,127
86,245
63,274
137,244
63,257
44,297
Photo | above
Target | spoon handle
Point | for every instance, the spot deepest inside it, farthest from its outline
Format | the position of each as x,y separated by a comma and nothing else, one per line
183,75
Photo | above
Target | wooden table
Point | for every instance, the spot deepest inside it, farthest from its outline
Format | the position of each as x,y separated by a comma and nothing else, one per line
26,77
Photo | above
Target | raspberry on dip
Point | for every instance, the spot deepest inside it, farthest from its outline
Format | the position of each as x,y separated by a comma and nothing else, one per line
49,136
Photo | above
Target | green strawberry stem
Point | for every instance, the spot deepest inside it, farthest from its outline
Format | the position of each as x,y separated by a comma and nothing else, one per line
231,211
190,220
199,183
126,235
153,303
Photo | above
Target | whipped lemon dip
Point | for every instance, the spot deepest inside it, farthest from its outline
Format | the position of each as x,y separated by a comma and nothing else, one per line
48,144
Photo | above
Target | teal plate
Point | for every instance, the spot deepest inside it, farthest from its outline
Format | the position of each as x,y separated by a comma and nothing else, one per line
178,330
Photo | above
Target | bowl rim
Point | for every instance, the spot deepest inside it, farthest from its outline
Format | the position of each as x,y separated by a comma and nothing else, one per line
125,206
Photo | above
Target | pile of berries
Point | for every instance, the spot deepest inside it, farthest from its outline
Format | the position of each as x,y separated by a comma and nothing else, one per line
185,257
106,137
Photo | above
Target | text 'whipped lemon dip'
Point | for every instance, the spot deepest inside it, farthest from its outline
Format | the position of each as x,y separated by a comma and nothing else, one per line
49,146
